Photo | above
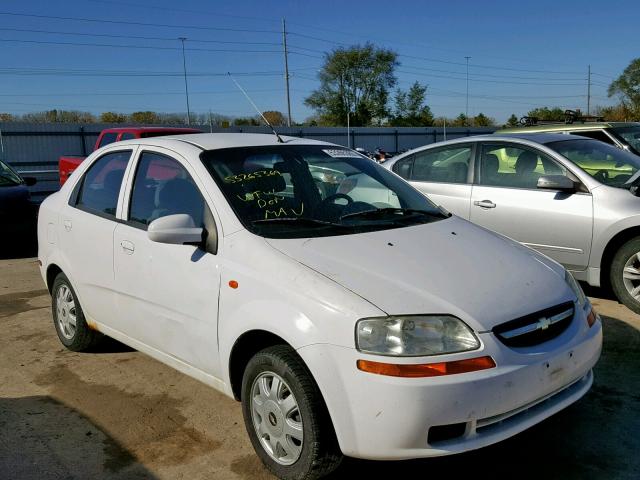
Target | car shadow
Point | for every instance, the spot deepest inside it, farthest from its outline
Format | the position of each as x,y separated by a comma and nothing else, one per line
43,439
590,439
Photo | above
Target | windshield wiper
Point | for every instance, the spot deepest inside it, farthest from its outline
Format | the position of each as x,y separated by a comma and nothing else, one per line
298,220
408,212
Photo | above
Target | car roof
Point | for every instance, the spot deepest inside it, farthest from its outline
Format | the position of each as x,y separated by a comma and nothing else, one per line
150,129
568,126
214,141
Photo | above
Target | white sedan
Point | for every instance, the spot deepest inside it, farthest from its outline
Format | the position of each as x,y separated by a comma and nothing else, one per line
382,329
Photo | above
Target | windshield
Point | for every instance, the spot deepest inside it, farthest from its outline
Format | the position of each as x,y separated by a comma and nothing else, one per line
7,176
630,136
606,163
294,191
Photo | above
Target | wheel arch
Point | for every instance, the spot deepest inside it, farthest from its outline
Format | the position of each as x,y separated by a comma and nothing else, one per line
610,250
52,272
244,348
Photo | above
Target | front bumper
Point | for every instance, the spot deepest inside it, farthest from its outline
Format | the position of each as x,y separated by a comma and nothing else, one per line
386,418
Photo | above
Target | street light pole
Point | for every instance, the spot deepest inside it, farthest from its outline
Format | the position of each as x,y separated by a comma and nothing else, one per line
466,109
186,87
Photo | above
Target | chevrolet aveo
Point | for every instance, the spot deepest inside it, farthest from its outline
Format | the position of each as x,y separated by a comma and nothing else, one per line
348,321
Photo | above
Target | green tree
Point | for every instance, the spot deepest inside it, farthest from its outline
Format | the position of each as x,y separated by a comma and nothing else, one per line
616,113
481,120
356,79
145,117
246,121
627,87
545,113
275,118
461,121
113,117
512,121
410,110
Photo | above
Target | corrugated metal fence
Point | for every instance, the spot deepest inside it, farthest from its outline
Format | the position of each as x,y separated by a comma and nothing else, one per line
33,149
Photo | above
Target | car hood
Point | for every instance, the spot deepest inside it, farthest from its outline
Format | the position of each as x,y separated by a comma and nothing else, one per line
449,266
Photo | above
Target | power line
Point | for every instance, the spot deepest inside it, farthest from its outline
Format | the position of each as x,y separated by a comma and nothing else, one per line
134,37
138,24
145,47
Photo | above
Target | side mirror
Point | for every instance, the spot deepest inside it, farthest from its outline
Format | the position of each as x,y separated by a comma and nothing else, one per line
178,229
556,182
30,181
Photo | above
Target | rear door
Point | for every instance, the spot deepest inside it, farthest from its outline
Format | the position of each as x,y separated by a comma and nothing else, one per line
505,198
443,174
86,234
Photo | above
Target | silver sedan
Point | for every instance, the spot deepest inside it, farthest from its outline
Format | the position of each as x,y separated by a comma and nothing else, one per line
572,198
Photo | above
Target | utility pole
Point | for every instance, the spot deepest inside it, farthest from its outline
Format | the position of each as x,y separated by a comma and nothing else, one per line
348,128
589,91
466,109
186,88
286,70
210,122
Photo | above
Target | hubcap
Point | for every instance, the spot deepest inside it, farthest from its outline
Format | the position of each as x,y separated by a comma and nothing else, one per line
66,312
276,418
631,276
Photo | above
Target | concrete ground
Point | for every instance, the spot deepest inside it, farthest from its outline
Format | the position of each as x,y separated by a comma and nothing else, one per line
118,414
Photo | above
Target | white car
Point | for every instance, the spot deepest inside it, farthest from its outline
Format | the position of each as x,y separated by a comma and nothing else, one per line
344,327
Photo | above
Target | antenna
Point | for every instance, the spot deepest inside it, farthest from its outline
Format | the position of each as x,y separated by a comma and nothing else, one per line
256,108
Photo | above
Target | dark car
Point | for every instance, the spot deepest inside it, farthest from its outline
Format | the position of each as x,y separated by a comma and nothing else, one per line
17,212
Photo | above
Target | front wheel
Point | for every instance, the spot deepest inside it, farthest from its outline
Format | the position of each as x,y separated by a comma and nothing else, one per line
286,418
625,274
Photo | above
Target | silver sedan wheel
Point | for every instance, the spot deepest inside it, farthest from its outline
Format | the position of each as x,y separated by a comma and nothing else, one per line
276,418
631,276
66,312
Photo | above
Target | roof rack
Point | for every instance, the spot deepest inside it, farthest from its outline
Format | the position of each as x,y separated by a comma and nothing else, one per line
570,116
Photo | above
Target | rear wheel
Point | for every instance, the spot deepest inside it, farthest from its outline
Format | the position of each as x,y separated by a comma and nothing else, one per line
625,274
286,418
68,318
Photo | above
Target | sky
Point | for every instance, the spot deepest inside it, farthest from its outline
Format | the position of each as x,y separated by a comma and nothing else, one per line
125,56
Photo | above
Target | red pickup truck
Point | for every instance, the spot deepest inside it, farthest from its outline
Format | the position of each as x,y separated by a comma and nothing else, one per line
68,163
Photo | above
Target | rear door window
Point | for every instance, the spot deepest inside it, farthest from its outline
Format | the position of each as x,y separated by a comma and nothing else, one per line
99,188
445,165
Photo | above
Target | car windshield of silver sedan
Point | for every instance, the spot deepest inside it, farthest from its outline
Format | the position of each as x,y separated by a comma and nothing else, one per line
606,163
8,177
294,191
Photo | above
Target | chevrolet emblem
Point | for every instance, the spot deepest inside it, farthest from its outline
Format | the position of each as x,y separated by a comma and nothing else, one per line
544,323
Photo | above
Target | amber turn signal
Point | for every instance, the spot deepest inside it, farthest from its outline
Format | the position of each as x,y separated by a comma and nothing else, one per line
592,317
426,369
233,284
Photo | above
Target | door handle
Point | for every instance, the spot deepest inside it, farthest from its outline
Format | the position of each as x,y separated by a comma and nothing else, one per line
67,225
127,246
484,204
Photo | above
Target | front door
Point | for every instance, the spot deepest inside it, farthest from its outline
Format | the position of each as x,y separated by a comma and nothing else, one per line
167,294
506,199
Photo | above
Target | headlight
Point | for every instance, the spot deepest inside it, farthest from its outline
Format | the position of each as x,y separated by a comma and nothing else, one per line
577,289
415,335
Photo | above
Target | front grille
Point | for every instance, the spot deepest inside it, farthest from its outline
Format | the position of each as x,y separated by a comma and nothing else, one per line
535,328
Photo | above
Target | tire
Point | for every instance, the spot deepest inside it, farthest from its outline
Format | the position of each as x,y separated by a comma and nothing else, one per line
312,448
65,307
626,284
